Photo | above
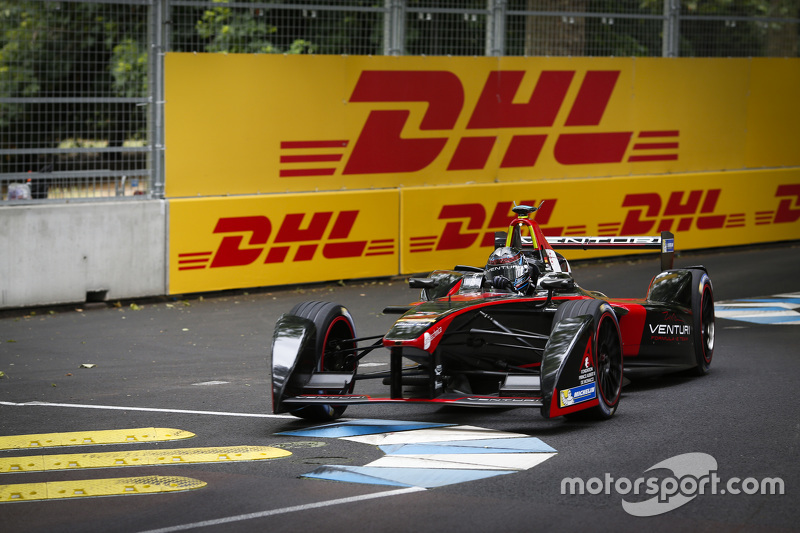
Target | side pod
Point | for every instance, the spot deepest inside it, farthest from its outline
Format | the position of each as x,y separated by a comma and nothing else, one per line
293,358
561,366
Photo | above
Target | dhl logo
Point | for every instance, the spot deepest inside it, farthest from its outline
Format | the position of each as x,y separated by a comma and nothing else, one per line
380,148
788,207
647,213
685,210
304,237
322,231
466,224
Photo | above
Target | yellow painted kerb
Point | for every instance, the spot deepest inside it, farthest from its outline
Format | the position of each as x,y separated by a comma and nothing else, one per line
77,461
85,438
96,487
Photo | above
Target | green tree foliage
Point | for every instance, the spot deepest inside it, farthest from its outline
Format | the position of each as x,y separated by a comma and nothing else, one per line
239,31
78,50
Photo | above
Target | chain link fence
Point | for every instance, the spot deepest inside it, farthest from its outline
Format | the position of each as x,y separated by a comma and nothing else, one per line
81,82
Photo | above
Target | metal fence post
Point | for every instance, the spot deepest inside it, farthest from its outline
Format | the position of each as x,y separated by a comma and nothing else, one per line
672,35
159,24
394,28
496,27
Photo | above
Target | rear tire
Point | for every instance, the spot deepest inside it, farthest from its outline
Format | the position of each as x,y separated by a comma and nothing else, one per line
334,332
607,353
702,321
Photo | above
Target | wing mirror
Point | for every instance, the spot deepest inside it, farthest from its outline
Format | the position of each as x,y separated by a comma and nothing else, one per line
422,283
557,283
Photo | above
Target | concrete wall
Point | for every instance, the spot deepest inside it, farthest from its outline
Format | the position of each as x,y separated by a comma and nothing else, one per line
56,254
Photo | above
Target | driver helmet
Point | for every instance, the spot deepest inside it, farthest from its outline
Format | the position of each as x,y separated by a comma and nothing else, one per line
511,264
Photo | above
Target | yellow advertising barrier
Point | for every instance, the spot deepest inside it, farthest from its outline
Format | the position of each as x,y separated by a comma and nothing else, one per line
252,241
224,243
253,124
419,159
445,226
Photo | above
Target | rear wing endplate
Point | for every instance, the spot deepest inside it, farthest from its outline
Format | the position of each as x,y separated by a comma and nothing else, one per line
664,242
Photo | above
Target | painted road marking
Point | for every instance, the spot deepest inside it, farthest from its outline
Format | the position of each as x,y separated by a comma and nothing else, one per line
429,455
358,428
83,438
284,510
779,309
449,434
49,463
401,477
493,461
97,487
147,409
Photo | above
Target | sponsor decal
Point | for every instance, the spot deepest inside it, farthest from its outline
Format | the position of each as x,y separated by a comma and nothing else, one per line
468,224
298,237
582,242
485,399
672,330
654,212
587,373
332,397
428,338
577,395
788,209
384,145
645,216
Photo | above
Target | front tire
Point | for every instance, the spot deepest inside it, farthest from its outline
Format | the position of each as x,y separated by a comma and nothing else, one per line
607,344
335,332
702,320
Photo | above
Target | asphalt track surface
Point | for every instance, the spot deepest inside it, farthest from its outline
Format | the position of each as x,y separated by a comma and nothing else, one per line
201,365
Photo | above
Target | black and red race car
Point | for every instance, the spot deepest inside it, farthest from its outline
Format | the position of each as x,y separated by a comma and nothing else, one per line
518,333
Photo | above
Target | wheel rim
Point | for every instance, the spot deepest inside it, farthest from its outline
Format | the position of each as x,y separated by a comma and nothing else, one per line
707,325
609,361
336,339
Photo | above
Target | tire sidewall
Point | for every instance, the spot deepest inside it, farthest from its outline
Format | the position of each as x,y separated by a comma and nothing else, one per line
603,315
329,319
702,291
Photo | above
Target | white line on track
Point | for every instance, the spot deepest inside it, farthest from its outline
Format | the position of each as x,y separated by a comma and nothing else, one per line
306,507
151,409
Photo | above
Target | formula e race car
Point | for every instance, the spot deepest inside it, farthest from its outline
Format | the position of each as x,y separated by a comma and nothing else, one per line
518,333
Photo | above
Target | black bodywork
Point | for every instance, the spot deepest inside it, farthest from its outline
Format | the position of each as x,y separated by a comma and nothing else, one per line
559,348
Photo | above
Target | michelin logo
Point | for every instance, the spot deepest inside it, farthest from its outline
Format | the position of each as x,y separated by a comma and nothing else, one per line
575,395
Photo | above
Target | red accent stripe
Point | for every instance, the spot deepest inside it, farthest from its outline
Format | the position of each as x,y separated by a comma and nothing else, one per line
421,250
307,172
429,238
310,158
382,241
191,268
188,261
313,144
664,133
379,253
381,247
667,157
654,146
194,254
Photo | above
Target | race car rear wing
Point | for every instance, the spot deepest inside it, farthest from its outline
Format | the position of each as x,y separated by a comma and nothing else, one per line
664,242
